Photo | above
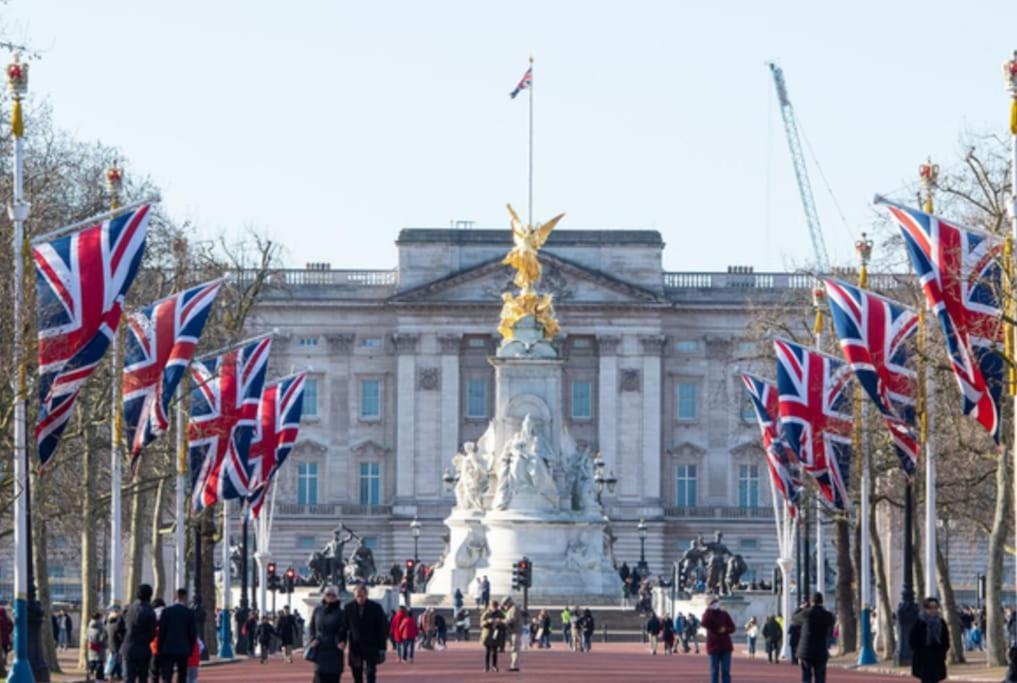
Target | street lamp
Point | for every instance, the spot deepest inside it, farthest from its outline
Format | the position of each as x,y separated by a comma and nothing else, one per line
415,531
642,529
449,479
604,481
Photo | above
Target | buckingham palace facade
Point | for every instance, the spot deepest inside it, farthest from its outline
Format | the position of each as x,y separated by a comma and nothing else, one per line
399,379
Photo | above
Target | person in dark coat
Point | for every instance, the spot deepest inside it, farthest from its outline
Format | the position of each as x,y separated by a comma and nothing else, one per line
265,633
367,631
328,637
286,627
140,630
794,633
178,632
719,627
813,650
772,635
930,641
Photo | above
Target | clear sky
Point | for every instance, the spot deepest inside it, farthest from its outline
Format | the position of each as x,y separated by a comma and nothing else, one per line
331,125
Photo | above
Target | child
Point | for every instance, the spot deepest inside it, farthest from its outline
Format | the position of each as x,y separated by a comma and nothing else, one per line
194,661
96,648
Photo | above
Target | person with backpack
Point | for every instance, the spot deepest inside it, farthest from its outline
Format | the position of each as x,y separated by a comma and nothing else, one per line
97,640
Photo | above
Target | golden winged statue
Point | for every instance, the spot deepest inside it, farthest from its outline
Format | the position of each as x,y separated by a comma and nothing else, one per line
524,258
528,240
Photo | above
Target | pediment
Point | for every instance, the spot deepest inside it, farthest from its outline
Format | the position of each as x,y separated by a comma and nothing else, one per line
687,449
569,282
748,449
369,448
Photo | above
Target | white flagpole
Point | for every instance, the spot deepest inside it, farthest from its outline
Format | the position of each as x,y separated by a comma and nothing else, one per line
179,510
116,593
1010,74
21,670
930,490
819,300
530,217
225,639
262,557
786,564
866,653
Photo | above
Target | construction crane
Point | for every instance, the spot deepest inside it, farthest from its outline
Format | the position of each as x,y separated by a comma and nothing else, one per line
794,144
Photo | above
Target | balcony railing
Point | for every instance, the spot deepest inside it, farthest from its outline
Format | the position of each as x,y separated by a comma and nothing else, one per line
761,512
330,509
313,277
676,281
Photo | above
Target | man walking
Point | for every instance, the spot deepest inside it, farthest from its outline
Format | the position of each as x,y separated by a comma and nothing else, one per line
653,632
367,631
719,627
140,630
178,632
286,626
813,651
514,630
566,627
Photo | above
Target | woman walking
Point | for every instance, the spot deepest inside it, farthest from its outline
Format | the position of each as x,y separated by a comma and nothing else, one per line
773,636
751,634
492,633
328,635
930,641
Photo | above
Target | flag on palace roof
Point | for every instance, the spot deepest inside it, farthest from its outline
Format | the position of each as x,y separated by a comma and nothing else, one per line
282,404
525,83
81,281
160,344
960,272
783,465
815,416
874,333
224,414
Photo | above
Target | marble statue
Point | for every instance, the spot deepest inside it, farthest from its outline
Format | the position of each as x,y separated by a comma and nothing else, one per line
473,549
581,555
471,483
524,465
362,565
332,555
581,487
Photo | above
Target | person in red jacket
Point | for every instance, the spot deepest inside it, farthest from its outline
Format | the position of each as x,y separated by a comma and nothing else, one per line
408,632
719,628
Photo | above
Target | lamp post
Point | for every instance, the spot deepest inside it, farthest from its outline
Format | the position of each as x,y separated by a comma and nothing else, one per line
604,481
415,532
644,569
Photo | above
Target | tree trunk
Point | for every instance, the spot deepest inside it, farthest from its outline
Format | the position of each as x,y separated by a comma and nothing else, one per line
40,557
89,601
995,636
208,597
158,571
885,612
845,589
950,613
135,543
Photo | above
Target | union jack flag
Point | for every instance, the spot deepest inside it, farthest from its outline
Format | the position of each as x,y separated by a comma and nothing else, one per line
160,344
525,83
960,271
815,416
81,281
282,403
874,332
224,414
783,464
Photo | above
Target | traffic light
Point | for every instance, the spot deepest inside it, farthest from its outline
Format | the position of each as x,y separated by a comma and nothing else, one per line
517,581
526,573
777,581
273,577
291,579
410,571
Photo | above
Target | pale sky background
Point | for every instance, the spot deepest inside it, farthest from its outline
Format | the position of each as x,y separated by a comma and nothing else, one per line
331,125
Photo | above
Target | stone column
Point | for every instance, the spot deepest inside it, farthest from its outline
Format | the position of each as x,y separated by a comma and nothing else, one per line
652,346
405,388
336,464
607,400
449,345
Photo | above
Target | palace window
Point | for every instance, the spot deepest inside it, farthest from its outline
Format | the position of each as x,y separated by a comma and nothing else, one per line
748,411
370,343
476,398
370,483
685,485
582,400
686,401
310,398
306,543
308,341
307,483
748,486
686,346
370,399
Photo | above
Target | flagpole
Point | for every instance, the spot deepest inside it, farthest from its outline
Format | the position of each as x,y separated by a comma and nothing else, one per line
225,639
530,216
866,653
818,301
1010,73
97,218
24,590
928,175
114,181
262,557
180,531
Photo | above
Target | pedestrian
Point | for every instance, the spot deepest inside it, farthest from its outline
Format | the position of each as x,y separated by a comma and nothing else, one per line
566,627
1011,671
544,629
157,605
265,634
653,632
751,634
667,634
441,630
794,633
115,632
813,650
577,629
178,632
54,622
194,661
286,627
139,625
692,632
588,627
394,625
64,629
930,641
457,601
492,633
485,591
407,635
6,638
251,631
475,592
366,629
327,632
96,639
719,627
772,636
463,626
513,630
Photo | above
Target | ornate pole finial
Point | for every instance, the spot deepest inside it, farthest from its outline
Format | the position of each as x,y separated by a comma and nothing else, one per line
864,248
114,181
818,303
1010,79
928,176
17,86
